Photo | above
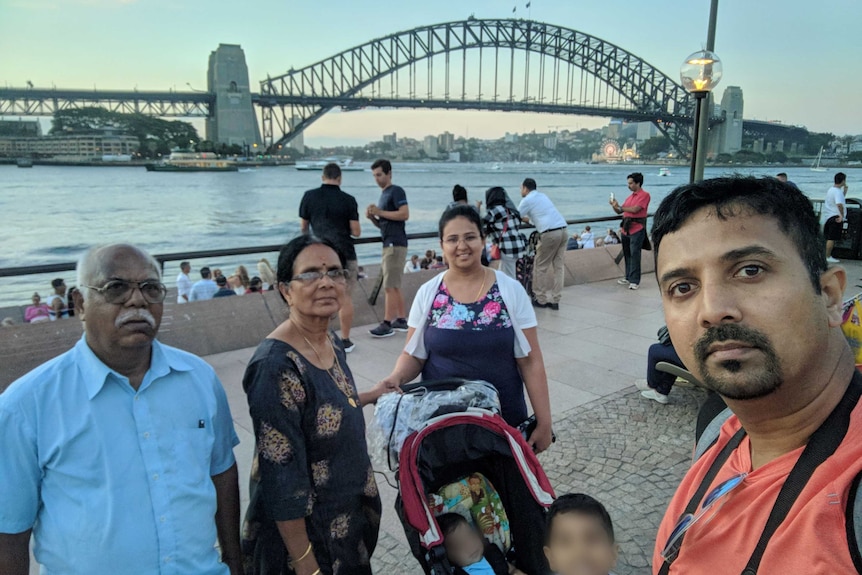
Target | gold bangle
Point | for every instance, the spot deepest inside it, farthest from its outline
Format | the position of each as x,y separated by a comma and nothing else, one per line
316,572
304,555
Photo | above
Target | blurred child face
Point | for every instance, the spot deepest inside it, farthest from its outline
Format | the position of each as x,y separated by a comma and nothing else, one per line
464,546
579,545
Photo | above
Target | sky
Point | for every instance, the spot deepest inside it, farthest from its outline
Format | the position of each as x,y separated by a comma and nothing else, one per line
797,62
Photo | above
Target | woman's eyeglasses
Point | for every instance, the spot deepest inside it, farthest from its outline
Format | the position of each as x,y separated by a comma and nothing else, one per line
119,291
338,276
719,494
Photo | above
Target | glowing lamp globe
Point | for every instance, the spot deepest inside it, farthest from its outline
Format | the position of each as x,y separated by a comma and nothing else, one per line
701,72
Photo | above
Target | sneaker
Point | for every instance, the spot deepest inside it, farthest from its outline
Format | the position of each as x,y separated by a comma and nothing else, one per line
634,286
623,281
382,330
832,260
400,324
655,396
348,345
642,384
553,306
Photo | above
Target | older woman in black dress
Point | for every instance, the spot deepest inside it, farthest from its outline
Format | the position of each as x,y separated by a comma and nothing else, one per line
314,504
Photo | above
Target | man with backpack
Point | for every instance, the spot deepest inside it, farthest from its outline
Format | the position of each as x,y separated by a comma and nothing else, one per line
755,312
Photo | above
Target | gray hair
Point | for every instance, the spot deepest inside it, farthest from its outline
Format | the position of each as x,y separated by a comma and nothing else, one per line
91,264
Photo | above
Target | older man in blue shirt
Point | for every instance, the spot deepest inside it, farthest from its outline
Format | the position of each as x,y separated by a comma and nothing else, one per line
118,454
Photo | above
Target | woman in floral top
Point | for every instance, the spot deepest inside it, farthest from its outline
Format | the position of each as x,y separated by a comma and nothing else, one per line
314,505
475,323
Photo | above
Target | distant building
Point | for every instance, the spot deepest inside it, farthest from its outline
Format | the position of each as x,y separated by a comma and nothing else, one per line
446,142
430,146
72,148
510,138
298,142
730,131
646,130
550,142
20,127
391,139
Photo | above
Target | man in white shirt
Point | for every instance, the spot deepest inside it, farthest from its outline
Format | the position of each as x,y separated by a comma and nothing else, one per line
184,284
548,270
833,211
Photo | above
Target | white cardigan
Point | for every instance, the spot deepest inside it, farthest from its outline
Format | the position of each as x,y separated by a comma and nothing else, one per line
517,302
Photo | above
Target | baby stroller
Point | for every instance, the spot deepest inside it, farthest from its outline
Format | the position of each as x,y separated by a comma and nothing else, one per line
464,456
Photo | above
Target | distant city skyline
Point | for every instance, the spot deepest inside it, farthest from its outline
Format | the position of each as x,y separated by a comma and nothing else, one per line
787,58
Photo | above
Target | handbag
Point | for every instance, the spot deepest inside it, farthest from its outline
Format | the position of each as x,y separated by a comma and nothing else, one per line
496,254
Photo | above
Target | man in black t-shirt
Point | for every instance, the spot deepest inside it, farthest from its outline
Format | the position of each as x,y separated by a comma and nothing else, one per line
334,215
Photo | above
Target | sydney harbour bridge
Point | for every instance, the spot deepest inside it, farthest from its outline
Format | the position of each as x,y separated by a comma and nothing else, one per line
496,65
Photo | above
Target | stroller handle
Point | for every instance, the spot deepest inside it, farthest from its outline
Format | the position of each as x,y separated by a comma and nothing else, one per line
448,384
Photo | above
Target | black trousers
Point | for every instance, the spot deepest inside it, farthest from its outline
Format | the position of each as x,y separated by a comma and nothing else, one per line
632,245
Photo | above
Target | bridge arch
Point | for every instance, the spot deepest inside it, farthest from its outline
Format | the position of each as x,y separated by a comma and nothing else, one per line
293,101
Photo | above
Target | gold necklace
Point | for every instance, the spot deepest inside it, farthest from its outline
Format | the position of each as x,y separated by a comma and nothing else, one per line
482,288
335,363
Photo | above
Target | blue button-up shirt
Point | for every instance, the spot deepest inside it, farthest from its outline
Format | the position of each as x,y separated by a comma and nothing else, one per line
112,480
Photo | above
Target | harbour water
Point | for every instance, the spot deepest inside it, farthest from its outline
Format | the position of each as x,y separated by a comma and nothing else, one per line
54,213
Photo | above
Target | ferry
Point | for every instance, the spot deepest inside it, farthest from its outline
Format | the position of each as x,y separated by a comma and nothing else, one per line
193,162
24,162
345,165
664,172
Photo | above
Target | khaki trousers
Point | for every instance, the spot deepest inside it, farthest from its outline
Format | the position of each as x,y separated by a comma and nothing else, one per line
549,268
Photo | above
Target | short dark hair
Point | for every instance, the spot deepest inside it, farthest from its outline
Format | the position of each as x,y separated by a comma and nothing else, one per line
449,522
730,196
530,184
459,193
221,280
461,211
331,171
205,272
637,177
840,178
583,504
291,250
184,264
781,175
57,282
383,164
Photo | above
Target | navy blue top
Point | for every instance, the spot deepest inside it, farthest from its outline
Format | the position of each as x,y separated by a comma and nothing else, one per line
392,232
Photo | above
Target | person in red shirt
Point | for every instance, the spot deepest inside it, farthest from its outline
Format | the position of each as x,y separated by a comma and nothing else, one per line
634,211
755,313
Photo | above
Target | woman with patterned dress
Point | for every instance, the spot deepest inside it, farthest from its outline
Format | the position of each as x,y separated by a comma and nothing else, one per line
476,323
314,505
502,224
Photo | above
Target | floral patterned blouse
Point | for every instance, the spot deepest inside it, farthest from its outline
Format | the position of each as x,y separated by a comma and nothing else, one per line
488,313
311,462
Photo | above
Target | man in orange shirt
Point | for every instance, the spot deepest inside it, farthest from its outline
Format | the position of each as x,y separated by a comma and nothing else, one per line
755,313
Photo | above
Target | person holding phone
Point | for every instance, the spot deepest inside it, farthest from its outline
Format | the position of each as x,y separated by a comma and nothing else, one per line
634,211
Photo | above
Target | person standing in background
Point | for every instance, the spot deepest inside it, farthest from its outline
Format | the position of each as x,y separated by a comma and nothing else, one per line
390,214
331,213
538,209
634,211
184,284
833,211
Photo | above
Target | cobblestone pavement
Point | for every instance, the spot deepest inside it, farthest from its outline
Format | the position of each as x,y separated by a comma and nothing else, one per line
628,452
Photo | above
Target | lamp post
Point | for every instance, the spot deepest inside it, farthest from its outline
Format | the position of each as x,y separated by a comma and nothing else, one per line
700,73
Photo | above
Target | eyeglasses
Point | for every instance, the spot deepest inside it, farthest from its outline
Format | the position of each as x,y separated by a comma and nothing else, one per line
720,493
467,239
338,276
119,291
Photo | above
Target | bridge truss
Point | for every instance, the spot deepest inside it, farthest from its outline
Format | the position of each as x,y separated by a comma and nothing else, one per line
503,65
46,102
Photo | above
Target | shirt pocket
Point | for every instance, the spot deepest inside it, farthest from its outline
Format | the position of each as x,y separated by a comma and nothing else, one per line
193,448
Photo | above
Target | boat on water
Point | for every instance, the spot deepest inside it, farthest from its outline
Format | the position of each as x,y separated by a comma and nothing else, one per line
193,162
345,165
24,163
664,172
816,167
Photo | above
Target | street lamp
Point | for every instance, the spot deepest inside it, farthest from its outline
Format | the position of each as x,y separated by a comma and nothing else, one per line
700,73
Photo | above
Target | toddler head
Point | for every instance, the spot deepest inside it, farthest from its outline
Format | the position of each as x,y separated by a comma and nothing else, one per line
580,538
464,544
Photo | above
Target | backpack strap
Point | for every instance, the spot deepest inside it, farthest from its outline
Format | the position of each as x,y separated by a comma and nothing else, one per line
853,521
710,434
820,447
698,496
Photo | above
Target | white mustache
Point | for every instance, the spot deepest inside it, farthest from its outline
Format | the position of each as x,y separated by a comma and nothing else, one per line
135,315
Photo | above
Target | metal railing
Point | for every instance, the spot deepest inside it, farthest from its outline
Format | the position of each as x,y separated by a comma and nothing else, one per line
242,251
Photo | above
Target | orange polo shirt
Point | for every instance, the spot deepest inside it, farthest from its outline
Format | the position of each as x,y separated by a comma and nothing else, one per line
812,539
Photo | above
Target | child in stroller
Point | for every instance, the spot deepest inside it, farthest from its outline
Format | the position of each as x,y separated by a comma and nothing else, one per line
458,455
468,552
